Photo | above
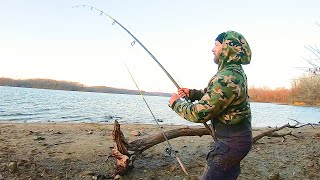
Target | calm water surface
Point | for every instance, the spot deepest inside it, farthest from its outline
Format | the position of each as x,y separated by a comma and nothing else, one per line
39,105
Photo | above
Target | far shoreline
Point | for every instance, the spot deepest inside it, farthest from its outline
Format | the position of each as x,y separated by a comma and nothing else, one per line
265,95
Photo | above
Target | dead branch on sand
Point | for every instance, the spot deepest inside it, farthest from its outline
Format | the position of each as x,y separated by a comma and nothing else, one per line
272,132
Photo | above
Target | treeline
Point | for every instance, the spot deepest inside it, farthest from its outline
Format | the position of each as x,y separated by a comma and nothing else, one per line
70,86
279,95
42,84
304,91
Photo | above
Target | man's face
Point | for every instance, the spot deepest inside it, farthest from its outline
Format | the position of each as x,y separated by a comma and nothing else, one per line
217,51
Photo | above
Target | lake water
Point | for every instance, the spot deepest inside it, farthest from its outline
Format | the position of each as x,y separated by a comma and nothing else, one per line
40,105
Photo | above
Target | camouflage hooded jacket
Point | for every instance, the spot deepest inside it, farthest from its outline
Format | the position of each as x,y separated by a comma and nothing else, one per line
226,96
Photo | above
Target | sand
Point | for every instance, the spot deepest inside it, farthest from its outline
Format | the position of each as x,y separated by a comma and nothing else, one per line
80,151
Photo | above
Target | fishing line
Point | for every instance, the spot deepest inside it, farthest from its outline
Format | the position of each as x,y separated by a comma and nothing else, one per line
169,150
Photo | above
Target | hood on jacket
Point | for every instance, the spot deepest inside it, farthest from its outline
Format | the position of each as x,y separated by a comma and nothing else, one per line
235,50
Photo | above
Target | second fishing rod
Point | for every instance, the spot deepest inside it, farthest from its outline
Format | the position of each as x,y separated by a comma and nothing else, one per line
136,40
169,150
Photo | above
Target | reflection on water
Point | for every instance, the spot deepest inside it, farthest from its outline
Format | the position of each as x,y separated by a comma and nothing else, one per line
39,105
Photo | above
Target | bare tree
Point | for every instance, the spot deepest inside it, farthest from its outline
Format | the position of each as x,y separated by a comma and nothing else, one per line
306,88
313,61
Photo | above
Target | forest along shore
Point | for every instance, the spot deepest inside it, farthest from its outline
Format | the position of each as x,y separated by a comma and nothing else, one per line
80,151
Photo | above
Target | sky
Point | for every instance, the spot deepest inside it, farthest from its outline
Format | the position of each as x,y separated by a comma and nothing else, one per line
50,39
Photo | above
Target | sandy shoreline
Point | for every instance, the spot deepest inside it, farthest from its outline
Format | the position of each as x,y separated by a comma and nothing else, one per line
80,150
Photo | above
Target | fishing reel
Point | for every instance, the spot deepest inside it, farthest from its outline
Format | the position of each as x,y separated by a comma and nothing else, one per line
170,151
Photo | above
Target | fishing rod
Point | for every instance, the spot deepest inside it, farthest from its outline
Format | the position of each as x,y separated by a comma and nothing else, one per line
136,40
170,150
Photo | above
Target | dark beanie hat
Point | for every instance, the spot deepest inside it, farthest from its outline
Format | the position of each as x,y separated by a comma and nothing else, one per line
221,37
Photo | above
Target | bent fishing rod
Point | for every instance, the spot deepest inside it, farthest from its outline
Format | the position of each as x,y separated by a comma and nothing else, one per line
170,149
136,40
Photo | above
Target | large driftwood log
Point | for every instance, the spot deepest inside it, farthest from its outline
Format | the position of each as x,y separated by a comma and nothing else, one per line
125,152
138,146
120,151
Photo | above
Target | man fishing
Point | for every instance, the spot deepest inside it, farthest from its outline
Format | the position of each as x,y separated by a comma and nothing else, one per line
225,102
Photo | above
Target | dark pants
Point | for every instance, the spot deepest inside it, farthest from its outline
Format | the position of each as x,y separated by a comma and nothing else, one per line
223,162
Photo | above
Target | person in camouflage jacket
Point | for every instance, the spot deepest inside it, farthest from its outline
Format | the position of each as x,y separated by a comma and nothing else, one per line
224,102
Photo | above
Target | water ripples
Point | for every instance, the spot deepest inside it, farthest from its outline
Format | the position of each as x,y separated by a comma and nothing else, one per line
39,105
